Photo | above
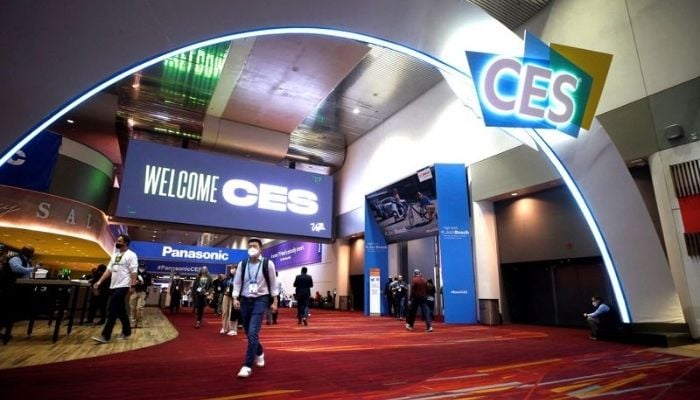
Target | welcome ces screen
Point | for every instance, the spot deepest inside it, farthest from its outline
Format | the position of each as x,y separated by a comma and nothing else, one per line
164,183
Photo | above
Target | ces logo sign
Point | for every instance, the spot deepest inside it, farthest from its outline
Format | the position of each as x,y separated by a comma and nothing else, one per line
555,87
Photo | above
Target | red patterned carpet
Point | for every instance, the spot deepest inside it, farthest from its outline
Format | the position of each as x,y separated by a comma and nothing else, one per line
344,355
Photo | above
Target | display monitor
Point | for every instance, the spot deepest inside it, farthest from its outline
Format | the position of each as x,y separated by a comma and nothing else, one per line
170,184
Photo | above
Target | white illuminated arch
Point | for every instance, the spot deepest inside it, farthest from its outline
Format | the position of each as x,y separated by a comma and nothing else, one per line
443,66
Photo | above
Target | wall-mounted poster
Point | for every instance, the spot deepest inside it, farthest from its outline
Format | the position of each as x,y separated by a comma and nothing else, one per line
407,209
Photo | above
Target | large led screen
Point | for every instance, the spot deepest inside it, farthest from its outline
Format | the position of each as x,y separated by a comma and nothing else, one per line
164,183
407,209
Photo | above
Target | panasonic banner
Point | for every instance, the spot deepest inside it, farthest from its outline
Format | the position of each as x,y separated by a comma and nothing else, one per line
164,183
185,260
456,261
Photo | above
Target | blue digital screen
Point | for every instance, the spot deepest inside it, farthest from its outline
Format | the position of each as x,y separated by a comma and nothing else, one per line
169,184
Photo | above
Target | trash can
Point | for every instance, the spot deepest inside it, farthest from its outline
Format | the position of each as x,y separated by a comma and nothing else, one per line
488,312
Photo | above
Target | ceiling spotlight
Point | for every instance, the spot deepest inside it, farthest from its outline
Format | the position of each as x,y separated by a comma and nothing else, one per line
355,110
514,194
130,122
70,121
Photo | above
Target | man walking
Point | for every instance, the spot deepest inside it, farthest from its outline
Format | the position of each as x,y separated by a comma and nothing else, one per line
419,295
121,271
137,301
256,282
303,284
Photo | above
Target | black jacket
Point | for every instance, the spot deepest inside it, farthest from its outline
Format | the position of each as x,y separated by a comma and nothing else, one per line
303,284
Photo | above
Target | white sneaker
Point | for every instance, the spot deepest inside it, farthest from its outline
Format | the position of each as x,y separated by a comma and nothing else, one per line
409,327
260,360
232,333
245,372
100,339
222,331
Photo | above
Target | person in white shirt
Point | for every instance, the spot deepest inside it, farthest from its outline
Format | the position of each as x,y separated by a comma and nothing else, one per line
122,270
255,284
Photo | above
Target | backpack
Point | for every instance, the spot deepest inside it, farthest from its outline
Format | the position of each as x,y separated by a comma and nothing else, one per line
266,274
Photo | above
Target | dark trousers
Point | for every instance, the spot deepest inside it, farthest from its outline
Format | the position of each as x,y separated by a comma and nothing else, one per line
270,316
594,324
415,303
399,306
199,302
302,306
7,314
117,309
98,303
175,300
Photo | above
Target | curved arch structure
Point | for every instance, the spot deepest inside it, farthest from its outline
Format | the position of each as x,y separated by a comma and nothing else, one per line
78,47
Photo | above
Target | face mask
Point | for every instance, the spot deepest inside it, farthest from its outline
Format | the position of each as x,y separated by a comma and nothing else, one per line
142,270
119,246
252,252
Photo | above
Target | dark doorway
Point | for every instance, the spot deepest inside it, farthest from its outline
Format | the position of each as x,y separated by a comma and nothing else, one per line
357,288
554,292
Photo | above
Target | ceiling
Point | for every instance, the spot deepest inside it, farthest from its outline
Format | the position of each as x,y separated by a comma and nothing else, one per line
55,250
295,100
314,95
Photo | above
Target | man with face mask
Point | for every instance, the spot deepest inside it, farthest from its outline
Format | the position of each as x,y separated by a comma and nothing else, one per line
255,284
137,301
122,272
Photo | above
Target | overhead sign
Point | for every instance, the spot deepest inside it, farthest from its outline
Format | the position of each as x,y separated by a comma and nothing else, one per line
32,166
555,87
187,254
294,254
165,183
163,267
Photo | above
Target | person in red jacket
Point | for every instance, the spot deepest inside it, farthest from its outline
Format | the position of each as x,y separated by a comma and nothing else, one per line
419,297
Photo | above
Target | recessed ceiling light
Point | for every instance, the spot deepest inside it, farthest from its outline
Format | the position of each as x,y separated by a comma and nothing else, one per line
70,121
355,110
514,194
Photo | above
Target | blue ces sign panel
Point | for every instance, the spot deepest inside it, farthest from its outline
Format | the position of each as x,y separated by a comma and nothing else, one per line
164,183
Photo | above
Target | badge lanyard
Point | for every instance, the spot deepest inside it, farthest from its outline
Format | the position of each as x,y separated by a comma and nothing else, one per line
253,282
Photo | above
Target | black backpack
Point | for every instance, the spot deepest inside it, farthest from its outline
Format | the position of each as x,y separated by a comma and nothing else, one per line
266,274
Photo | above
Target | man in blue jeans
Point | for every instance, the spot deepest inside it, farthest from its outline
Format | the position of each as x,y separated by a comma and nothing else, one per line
255,287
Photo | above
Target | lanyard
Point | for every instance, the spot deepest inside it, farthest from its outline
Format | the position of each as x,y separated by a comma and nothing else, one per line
250,276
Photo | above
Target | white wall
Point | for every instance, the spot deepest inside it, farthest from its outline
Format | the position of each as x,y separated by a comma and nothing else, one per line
486,251
435,128
653,42
684,269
